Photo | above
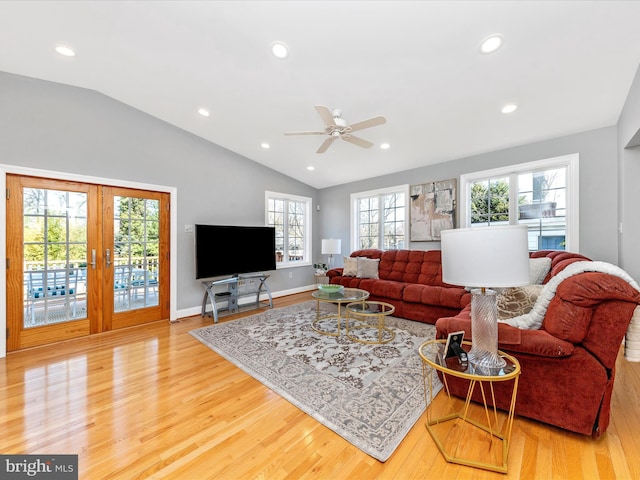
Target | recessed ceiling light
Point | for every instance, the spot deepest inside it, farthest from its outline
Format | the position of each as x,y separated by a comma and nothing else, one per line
279,50
66,51
510,108
385,146
491,43
204,112
311,168
265,145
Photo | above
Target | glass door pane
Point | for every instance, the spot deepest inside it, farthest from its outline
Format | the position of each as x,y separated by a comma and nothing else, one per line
136,268
54,256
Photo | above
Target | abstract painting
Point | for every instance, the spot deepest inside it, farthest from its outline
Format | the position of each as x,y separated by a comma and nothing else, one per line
433,209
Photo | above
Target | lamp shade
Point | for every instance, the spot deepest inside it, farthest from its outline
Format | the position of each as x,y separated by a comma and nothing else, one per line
331,246
486,256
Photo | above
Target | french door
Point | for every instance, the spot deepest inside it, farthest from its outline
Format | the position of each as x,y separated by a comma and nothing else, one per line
82,259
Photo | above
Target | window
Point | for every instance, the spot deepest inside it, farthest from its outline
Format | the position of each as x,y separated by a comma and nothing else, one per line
379,219
542,195
290,215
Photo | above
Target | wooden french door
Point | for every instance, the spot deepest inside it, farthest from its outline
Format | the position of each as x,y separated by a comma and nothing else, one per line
136,256
82,259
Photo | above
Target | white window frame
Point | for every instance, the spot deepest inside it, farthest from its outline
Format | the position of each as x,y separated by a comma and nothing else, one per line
355,197
571,162
308,248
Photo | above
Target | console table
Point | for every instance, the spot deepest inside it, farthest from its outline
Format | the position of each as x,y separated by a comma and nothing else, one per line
229,291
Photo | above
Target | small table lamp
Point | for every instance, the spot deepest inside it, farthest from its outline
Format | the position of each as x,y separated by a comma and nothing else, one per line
331,247
484,257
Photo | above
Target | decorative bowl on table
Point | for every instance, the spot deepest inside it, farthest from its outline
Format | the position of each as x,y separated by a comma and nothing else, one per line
330,288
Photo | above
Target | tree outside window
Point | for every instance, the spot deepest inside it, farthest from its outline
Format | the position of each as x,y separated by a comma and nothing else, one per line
380,219
535,194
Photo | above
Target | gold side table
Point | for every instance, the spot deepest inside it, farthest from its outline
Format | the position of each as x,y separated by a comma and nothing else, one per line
369,317
461,426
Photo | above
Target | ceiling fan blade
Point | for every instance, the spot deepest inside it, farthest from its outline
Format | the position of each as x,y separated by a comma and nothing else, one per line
326,144
358,141
372,122
305,133
326,115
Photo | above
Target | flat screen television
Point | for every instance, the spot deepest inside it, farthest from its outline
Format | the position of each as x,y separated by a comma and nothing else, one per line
229,250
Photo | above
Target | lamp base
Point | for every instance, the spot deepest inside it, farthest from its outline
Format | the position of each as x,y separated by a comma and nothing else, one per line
484,331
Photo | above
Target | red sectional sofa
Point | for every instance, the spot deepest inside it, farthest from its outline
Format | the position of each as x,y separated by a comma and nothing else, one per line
410,280
568,366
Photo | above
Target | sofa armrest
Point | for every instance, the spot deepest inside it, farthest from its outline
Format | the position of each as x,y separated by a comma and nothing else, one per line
510,339
334,272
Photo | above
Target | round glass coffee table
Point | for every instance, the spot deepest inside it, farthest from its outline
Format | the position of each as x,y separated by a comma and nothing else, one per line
346,295
367,318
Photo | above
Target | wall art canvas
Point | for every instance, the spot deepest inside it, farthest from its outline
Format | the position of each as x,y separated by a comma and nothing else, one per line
433,209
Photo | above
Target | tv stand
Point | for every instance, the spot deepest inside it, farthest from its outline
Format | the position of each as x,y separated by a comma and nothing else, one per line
218,292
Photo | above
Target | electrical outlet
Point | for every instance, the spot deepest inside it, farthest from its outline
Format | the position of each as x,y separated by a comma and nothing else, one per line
188,229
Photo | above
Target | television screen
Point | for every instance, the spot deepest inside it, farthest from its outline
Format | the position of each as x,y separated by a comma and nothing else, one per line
230,250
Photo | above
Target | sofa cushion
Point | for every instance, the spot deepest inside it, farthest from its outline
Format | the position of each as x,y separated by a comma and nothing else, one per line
350,267
367,267
433,295
560,259
516,301
538,270
385,288
349,282
412,266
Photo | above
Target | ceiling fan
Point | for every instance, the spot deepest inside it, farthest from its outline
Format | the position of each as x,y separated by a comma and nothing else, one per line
336,127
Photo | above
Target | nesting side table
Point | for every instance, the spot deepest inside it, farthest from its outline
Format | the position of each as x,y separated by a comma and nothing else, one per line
367,318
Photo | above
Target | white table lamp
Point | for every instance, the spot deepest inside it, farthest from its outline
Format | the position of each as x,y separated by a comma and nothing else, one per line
331,247
484,257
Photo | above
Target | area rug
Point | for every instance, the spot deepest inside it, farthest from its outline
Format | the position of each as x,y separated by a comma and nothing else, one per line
371,395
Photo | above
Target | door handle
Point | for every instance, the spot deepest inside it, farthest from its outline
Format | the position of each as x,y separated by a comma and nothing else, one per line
93,258
108,257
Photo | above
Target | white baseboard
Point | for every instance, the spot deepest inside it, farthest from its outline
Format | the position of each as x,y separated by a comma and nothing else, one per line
190,312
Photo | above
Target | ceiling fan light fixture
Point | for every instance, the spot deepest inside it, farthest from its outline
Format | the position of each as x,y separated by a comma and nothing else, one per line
385,146
311,168
336,127
340,122
491,43
279,50
265,145
203,112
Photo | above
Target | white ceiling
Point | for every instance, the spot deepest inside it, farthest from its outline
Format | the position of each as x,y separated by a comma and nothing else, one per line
567,64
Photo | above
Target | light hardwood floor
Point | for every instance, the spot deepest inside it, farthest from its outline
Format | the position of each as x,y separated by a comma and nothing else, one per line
153,402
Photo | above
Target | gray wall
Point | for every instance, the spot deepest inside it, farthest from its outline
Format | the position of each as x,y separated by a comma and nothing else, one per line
66,129
598,184
629,160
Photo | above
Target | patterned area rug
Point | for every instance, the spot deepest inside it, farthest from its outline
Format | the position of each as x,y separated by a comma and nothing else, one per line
371,395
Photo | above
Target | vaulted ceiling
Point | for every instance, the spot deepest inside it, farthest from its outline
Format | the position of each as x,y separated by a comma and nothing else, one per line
567,65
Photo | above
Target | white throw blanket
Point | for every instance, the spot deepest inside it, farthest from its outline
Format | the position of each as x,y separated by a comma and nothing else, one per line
533,319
